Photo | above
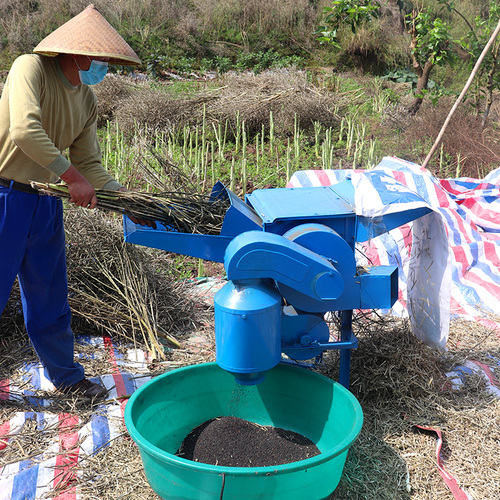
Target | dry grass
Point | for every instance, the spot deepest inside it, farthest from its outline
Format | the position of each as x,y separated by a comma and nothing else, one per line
159,111
379,45
464,135
111,92
399,382
125,482
286,93
264,16
121,288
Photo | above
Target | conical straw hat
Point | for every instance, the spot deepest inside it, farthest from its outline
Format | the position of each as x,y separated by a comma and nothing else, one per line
88,34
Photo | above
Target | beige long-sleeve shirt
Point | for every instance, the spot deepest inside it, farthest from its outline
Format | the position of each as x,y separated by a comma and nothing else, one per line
42,115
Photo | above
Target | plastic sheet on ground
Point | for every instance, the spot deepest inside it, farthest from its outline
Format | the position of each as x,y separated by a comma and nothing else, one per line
68,437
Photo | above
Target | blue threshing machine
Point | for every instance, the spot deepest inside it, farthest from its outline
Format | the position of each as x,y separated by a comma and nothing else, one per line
289,256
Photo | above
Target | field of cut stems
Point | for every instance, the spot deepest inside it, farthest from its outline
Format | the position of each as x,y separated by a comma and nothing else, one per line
252,131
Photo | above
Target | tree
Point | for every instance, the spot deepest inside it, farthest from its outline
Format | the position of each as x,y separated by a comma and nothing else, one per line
430,39
488,77
430,45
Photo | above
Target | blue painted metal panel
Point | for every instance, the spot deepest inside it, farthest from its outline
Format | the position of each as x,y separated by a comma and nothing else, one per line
367,228
247,329
256,254
273,205
379,288
202,246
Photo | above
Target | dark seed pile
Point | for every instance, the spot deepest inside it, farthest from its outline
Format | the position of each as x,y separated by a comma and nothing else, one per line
234,442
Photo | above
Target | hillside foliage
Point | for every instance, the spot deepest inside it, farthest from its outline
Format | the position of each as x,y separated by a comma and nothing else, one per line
316,105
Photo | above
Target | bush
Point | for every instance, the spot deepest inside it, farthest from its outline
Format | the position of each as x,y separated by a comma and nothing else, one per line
467,150
376,47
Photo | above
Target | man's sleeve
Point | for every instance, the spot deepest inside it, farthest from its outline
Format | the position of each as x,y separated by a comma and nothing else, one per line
85,154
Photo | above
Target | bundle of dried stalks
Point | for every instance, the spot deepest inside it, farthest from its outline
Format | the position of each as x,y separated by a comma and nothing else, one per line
119,288
184,212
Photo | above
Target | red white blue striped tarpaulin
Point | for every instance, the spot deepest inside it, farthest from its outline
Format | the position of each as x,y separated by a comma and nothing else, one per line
448,260
68,438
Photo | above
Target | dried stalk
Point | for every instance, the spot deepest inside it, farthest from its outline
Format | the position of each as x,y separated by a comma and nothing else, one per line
183,212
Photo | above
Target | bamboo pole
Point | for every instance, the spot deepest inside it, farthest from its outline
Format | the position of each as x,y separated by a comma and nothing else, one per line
461,96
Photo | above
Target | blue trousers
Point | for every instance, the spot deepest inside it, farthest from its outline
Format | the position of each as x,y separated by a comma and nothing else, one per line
32,247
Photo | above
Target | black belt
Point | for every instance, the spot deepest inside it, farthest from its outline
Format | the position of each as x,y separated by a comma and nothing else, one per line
18,186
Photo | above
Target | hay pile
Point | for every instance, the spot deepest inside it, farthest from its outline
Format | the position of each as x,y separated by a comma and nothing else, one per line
401,383
286,93
112,91
123,290
156,110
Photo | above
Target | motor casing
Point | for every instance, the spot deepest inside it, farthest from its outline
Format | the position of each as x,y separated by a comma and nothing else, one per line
248,329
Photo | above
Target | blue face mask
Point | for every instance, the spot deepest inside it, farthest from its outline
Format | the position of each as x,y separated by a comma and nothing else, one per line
95,74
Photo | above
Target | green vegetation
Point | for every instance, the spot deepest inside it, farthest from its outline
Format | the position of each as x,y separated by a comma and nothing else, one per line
245,163
488,79
245,92
218,134
354,13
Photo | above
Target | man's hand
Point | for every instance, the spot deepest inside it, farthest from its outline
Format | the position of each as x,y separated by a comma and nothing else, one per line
135,220
81,192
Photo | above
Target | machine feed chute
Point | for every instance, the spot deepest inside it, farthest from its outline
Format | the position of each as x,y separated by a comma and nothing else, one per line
289,255
239,218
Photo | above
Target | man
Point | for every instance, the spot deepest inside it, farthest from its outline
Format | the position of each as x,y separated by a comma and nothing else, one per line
47,108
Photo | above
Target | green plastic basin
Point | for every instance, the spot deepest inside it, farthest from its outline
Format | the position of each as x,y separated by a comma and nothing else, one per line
163,412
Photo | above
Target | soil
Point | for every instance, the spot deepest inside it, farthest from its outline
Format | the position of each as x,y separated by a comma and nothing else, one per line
234,442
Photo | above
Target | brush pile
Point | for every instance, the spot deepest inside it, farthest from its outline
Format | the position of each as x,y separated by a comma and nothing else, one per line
125,291
287,94
121,289
182,212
